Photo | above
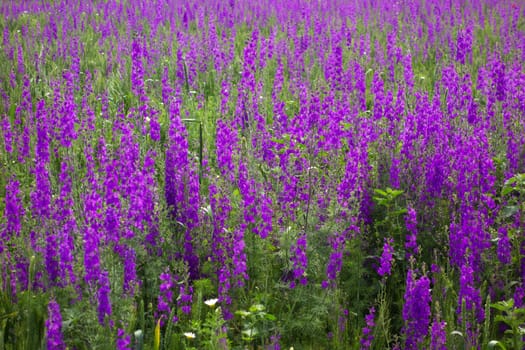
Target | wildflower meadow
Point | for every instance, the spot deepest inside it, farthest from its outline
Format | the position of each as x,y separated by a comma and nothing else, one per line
262,174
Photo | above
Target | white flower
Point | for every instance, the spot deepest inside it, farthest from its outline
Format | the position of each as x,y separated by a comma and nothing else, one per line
189,335
211,302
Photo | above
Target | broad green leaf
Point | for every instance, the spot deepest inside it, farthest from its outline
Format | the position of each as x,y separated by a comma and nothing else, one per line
257,308
380,192
503,305
270,317
506,190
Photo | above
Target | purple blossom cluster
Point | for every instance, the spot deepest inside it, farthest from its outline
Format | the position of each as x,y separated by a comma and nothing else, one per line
299,261
14,212
335,261
385,263
416,310
368,330
411,246
54,327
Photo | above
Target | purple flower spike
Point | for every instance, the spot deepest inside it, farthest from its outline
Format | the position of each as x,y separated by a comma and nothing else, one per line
385,267
54,327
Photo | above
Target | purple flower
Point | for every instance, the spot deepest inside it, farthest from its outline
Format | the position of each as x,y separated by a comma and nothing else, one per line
137,68
182,184
130,273
239,256
438,335
411,239
104,302
226,144
54,327
299,260
51,258
504,246
67,114
123,341
176,159
386,258
394,172
8,135
416,310
266,212
519,295
185,299
154,125
368,330
13,212
335,262
247,189
167,90
464,46
165,297
63,214
223,276
498,77
41,194
274,343
469,295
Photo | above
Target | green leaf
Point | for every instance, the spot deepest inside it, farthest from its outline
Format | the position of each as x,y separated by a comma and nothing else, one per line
11,315
243,313
236,194
504,305
270,317
251,332
380,201
397,193
400,211
380,192
510,181
500,318
257,308
506,190
279,141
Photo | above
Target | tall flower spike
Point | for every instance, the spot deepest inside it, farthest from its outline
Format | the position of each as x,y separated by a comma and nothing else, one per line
438,335
368,330
411,238
104,302
123,340
54,327
336,259
14,212
299,260
385,266
416,311
165,297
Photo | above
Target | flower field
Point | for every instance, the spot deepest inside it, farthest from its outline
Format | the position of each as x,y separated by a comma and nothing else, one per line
262,174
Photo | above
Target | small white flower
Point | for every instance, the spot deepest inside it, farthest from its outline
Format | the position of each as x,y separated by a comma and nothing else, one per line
211,302
189,335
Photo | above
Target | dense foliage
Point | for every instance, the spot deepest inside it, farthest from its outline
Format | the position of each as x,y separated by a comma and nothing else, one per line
262,174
